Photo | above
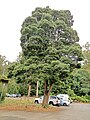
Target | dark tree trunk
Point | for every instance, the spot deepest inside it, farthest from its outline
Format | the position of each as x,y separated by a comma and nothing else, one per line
46,93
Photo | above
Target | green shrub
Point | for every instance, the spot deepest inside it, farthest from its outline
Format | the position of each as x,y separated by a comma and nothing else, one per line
80,99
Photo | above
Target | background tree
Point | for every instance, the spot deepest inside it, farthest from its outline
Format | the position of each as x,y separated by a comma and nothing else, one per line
81,83
86,53
87,46
13,87
3,65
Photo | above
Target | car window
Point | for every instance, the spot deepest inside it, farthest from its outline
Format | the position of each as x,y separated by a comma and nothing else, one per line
52,97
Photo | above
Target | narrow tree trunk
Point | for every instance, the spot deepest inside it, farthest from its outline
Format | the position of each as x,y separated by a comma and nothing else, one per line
37,89
29,90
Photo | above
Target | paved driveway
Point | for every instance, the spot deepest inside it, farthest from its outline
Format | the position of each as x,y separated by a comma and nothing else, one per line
75,111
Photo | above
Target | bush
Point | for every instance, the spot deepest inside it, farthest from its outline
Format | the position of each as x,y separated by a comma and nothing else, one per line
87,97
80,99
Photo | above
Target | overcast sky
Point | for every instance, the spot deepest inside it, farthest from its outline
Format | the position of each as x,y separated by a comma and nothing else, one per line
13,13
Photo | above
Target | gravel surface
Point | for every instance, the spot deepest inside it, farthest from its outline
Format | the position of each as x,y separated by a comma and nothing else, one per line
76,111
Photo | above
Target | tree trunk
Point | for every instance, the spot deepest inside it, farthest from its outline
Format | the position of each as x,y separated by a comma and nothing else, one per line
29,90
37,89
46,94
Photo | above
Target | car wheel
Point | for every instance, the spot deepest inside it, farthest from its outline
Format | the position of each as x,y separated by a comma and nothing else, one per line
51,103
36,101
64,104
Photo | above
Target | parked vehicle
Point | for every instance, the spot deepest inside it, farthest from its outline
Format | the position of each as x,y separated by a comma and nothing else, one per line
13,95
64,99
10,95
18,95
53,100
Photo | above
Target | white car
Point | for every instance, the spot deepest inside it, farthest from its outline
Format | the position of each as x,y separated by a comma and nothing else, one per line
10,95
13,95
53,100
64,99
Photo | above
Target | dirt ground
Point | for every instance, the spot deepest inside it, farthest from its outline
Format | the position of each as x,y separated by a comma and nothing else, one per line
76,111
31,108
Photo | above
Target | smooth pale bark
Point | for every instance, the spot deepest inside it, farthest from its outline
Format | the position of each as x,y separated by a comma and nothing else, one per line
37,89
29,90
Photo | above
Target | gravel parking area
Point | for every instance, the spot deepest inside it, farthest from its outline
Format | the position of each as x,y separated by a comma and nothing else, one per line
76,111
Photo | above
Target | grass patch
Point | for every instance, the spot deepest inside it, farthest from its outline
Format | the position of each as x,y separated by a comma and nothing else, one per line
18,101
25,104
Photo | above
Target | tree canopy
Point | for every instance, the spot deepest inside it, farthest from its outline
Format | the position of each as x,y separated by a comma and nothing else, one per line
50,48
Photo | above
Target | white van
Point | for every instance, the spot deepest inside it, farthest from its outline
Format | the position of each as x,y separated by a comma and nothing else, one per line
64,99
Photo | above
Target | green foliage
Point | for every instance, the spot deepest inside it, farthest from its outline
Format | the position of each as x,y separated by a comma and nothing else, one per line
87,47
81,82
23,88
13,87
80,99
87,97
3,65
86,54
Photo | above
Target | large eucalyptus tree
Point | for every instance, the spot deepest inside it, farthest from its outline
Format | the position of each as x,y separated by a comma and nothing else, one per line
50,47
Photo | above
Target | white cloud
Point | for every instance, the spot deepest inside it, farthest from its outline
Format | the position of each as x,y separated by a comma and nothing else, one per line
13,13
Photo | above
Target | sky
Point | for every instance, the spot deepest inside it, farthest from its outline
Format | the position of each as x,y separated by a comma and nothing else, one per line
14,12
